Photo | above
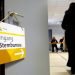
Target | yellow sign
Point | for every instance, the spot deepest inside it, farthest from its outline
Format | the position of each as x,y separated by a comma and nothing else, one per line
12,43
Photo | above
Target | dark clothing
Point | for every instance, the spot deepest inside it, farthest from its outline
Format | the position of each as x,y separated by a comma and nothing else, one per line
68,25
61,44
54,45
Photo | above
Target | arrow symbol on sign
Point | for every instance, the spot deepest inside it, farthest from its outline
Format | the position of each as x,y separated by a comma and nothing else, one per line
20,53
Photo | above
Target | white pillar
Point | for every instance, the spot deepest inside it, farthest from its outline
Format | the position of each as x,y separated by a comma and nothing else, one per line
35,22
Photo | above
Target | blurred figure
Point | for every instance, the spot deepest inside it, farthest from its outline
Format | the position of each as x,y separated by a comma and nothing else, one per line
54,44
68,24
61,44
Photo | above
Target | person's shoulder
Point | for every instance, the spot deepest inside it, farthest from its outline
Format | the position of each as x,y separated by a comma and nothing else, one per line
66,12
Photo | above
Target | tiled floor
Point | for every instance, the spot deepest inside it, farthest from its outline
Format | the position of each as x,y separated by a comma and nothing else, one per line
58,63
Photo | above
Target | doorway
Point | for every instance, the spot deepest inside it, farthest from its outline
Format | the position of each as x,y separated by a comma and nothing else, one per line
58,60
1,9
2,67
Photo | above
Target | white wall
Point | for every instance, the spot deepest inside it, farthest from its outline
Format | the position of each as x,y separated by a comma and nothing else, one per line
35,22
57,8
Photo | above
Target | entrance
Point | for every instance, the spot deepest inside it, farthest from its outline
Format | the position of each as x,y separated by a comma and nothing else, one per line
2,67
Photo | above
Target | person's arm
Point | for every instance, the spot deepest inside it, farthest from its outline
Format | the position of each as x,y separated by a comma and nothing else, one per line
56,41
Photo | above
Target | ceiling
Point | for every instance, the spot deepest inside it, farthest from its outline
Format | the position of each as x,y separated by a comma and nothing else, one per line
56,10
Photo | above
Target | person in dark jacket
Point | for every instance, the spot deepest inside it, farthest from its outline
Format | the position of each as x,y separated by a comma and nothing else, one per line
68,24
61,44
54,44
